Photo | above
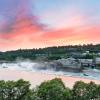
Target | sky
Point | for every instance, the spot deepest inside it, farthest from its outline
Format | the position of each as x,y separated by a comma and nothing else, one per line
26,24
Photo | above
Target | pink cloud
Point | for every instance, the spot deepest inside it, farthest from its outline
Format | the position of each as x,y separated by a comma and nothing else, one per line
79,35
25,31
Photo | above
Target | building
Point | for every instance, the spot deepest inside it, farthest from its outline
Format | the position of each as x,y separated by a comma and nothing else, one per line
89,63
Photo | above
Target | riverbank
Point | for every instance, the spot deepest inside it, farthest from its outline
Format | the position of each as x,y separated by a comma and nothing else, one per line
35,78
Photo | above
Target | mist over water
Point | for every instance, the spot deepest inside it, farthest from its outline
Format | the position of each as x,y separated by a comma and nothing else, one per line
45,67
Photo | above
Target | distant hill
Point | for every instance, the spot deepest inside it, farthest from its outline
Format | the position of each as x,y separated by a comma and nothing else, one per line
49,52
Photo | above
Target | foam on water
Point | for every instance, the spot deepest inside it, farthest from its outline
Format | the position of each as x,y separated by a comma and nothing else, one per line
37,67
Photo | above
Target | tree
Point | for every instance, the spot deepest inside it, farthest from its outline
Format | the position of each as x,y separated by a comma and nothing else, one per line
53,90
11,90
98,91
49,90
92,93
83,91
79,91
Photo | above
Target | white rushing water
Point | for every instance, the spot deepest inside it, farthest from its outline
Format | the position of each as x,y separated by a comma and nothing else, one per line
38,67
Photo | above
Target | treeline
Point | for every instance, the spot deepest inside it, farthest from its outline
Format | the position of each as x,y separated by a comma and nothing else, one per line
49,53
48,90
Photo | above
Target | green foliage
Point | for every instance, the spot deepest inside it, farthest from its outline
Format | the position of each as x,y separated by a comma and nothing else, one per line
83,91
79,90
98,91
11,90
53,90
54,57
91,91
88,56
51,53
49,90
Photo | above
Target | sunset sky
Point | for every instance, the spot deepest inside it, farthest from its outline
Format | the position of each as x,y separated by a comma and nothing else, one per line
42,23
